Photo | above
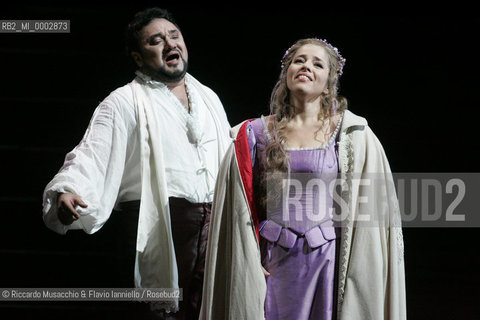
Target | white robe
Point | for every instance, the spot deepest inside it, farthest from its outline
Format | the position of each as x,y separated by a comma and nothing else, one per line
371,283
120,159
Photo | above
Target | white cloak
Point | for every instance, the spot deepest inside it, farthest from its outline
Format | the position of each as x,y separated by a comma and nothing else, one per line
371,283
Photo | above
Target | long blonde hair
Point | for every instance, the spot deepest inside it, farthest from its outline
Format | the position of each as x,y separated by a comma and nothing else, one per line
281,111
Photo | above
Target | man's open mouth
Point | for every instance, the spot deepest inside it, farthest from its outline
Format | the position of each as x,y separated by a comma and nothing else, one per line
172,56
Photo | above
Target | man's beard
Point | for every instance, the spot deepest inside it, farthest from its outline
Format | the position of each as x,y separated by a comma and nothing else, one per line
163,75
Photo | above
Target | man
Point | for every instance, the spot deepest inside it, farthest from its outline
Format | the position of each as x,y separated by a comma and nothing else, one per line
160,140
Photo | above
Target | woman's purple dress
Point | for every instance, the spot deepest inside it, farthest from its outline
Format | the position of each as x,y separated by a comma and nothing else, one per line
299,247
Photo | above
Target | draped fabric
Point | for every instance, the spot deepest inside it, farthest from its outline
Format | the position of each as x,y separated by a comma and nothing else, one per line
371,278
121,158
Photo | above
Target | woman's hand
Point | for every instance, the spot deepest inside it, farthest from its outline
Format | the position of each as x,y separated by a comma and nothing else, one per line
265,272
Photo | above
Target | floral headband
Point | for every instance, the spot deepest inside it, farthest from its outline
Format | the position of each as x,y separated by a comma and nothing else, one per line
341,60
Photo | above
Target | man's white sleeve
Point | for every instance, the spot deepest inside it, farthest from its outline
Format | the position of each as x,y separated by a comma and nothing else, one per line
92,170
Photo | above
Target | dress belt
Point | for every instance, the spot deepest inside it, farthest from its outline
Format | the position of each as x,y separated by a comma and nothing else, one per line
286,237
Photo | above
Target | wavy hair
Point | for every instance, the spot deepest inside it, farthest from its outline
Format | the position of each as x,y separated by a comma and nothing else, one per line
281,111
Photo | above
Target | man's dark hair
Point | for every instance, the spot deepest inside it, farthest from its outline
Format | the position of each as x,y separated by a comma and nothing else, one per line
140,20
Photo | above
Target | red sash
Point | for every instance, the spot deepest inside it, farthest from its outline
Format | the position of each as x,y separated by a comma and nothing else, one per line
244,160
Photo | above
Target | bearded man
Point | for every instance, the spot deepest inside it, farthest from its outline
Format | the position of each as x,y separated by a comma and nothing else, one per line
153,146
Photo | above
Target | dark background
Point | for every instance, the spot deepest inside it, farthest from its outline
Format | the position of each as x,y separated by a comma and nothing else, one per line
411,71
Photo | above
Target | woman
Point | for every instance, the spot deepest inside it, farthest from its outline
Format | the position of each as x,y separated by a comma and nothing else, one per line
285,260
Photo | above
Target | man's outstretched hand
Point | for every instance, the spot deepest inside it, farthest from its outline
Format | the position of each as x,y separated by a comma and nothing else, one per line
66,207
